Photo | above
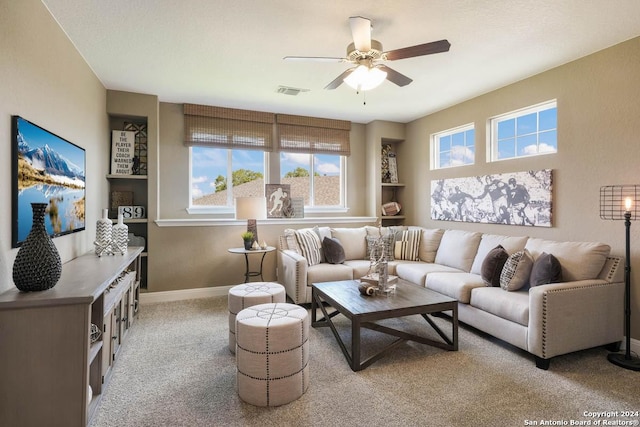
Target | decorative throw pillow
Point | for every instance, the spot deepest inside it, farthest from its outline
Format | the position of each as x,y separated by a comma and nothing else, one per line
492,266
516,271
333,250
546,269
407,245
309,245
388,241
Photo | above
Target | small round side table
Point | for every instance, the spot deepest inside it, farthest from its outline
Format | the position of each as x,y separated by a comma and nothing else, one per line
248,273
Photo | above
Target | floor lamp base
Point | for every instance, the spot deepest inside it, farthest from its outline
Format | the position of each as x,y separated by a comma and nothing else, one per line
620,359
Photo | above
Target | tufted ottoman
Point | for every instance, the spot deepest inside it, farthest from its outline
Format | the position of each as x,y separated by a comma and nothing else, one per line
246,295
272,353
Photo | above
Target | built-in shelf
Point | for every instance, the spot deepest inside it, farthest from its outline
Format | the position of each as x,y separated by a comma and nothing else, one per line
110,176
389,184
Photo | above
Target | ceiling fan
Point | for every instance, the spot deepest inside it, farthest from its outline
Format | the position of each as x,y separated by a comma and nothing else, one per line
367,55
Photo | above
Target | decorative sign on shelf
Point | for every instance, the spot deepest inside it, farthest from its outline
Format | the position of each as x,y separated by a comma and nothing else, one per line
131,212
278,200
122,152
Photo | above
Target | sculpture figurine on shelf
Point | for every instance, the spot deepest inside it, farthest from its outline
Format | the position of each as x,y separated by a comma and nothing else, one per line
120,236
378,273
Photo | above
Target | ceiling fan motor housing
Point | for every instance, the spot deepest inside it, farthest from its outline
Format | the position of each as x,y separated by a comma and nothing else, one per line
354,54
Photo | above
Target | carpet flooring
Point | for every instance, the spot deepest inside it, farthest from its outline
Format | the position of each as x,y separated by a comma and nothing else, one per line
175,369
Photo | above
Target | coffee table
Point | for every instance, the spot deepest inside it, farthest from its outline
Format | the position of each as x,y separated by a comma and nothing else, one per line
363,311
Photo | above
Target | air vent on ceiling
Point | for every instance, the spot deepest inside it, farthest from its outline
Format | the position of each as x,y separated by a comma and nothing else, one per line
293,91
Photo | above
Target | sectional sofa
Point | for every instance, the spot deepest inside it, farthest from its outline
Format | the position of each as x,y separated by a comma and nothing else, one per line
581,308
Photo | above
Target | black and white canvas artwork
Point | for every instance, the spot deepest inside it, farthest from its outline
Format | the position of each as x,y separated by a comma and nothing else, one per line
278,200
518,198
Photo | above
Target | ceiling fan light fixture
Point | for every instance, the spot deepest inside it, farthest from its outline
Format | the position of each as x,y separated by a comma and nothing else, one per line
365,78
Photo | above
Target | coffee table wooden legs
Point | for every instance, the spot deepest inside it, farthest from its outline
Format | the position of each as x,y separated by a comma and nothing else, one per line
357,323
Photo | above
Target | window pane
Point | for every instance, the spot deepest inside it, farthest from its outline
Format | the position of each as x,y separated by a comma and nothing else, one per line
549,119
457,139
326,180
445,143
507,148
548,142
527,145
470,136
454,147
445,159
527,124
506,129
213,168
461,156
295,169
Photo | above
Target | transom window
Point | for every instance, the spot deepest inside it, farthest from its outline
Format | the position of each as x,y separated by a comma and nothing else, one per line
453,147
529,132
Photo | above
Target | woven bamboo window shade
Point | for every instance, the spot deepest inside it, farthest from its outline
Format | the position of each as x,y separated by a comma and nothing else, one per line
313,135
228,128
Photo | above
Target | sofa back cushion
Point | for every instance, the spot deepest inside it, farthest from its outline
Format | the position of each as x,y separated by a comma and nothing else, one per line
354,241
490,241
579,260
458,249
429,243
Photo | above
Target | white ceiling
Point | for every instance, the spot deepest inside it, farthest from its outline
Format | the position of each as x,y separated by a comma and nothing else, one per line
229,53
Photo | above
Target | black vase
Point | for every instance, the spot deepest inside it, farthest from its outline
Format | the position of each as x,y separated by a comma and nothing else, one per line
37,266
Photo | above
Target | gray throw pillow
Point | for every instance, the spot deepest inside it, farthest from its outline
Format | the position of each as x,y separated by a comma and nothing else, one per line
492,266
546,269
516,271
333,250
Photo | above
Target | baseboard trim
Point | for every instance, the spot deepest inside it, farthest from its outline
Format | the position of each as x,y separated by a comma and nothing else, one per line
184,294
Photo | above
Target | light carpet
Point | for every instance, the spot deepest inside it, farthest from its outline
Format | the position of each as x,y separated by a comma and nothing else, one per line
175,369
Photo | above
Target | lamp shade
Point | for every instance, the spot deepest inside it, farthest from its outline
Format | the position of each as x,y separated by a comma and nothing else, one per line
251,208
365,78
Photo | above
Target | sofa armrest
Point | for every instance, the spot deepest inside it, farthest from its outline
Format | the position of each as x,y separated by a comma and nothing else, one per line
571,316
292,274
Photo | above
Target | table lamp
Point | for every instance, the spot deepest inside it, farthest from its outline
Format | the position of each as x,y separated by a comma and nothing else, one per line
622,202
251,209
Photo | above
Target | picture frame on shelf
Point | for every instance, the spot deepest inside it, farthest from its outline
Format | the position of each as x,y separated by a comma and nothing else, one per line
278,199
122,152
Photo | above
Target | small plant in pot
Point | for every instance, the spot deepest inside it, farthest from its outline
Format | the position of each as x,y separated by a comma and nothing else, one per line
247,236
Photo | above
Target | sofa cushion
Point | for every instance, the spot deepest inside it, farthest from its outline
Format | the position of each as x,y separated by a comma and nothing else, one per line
579,260
489,241
455,285
388,241
516,271
513,306
328,273
417,271
429,243
333,250
407,245
309,246
458,249
353,241
360,267
492,266
546,269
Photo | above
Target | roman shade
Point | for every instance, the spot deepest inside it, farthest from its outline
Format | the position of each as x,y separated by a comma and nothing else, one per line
228,128
300,134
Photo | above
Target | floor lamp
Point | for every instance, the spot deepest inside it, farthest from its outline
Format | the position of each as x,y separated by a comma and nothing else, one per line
622,202
251,209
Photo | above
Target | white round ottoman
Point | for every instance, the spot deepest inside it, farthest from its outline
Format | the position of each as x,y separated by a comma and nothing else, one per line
272,353
246,295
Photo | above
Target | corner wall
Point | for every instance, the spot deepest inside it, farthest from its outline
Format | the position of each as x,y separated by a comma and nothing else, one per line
45,80
598,144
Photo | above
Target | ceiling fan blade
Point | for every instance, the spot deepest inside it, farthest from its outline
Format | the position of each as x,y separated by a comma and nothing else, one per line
361,33
418,50
395,77
338,80
314,58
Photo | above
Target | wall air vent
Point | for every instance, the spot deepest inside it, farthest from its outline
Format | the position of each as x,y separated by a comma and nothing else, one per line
293,91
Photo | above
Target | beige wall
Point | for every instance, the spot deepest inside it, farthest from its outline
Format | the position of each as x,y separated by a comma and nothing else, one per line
46,81
598,144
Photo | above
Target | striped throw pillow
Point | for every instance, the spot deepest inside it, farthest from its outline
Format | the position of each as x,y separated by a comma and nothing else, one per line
309,246
408,245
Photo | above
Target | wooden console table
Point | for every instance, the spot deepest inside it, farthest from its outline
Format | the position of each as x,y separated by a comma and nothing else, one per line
51,373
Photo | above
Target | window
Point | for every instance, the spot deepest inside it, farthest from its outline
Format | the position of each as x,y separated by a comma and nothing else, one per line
318,178
529,132
218,175
453,147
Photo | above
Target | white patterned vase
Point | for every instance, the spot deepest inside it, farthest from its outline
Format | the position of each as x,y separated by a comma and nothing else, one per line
120,236
104,229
